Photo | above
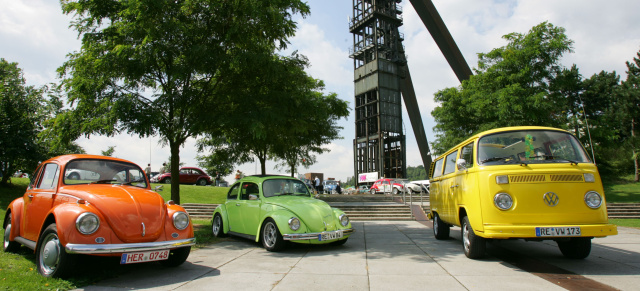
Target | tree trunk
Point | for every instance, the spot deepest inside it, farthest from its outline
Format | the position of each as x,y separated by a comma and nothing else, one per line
175,172
293,168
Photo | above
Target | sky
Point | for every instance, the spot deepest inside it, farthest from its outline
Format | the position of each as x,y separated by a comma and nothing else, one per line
606,34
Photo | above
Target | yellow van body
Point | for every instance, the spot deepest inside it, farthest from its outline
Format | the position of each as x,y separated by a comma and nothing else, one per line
544,177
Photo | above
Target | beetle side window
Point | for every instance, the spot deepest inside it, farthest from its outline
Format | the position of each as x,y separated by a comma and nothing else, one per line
450,163
233,192
248,188
437,172
467,155
49,178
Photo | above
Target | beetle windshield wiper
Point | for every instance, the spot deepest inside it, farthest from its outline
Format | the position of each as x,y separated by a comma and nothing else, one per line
133,181
103,181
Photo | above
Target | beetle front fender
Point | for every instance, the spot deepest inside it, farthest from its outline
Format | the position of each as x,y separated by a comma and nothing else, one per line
65,216
222,210
281,217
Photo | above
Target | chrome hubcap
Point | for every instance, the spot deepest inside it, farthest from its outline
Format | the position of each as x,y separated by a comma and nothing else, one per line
269,234
465,237
7,234
50,253
216,225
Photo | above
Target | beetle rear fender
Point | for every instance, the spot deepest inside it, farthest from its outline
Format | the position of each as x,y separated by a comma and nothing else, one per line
222,210
281,217
15,210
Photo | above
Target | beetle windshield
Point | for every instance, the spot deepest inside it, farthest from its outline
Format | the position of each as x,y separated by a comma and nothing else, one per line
277,187
530,146
90,171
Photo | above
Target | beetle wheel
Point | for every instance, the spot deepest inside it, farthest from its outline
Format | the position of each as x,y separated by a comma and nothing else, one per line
217,226
51,258
441,230
474,246
8,245
202,182
176,257
271,238
167,180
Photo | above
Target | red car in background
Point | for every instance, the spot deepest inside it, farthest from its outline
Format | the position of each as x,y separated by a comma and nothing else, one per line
188,175
386,185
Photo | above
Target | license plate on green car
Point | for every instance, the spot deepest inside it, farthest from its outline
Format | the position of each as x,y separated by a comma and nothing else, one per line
330,236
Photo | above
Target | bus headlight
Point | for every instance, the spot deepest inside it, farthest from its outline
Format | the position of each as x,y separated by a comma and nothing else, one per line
593,199
503,201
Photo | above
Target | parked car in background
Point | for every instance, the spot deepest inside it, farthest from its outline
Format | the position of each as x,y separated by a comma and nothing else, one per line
115,215
386,185
329,186
363,189
188,175
276,209
420,186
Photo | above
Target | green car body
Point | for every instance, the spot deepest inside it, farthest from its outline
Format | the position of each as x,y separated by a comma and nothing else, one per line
275,209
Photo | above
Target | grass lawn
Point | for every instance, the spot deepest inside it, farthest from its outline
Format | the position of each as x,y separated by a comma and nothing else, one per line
621,189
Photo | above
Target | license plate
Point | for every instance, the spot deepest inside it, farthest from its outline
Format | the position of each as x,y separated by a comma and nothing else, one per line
330,236
558,231
130,258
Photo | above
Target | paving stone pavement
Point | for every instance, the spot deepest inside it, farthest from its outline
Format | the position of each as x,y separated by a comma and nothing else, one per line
386,255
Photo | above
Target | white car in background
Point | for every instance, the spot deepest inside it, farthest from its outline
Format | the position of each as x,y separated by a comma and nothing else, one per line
420,186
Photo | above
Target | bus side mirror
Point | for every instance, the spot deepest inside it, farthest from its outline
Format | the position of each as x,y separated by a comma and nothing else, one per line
462,164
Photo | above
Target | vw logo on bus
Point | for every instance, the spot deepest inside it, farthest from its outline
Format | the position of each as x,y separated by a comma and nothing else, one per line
551,199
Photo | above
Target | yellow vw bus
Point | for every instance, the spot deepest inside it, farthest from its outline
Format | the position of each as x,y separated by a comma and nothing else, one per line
533,183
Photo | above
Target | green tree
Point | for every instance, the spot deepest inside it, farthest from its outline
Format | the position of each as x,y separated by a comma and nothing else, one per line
285,116
512,86
109,152
155,66
20,107
629,109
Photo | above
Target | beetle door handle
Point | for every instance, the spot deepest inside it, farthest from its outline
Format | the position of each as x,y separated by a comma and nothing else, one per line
30,196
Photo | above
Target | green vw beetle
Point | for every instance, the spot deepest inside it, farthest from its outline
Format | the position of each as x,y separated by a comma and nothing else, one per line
275,209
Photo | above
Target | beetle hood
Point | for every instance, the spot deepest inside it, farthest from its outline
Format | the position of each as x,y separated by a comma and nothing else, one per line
316,214
134,214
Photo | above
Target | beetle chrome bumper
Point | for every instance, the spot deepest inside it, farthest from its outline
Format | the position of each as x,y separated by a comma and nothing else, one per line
90,249
314,235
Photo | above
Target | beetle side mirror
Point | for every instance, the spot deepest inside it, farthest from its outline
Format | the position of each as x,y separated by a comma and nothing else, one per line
462,164
253,197
158,188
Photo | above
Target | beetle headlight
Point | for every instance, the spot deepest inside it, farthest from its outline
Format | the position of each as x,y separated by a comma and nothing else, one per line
294,223
503,201
593,199
87,223
180,220
344,219
503,179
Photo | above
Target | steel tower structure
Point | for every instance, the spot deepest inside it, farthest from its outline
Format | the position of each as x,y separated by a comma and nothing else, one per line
378,60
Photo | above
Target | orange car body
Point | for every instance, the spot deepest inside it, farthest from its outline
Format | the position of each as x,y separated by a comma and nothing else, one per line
131,217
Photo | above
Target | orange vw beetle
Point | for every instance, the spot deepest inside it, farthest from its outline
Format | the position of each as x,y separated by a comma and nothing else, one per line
95,205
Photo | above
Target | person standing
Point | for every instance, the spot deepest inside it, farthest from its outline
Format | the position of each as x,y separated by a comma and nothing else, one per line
218,177
163,169
147,171
317,182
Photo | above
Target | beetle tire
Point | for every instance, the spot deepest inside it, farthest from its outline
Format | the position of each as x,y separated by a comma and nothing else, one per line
176,257
576,248
49,246
394,191
217,226
167,181
473,245
202,182
9,246
270,236
441,230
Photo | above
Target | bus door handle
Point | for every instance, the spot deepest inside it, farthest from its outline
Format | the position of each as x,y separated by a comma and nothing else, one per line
454,186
